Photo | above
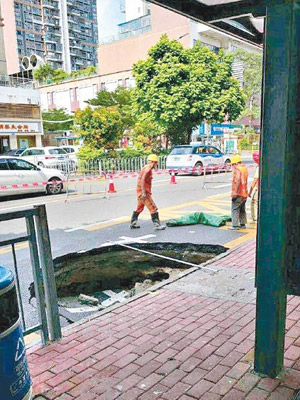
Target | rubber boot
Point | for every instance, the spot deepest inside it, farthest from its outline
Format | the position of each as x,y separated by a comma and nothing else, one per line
133,222
156,222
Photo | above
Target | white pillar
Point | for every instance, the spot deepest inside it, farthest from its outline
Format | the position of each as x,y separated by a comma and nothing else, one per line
38,141
13,143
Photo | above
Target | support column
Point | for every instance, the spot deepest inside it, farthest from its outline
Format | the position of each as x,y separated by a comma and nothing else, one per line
13,143
278,227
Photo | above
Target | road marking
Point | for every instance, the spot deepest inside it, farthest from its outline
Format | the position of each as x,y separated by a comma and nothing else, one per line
97,224
19,246
221,186
108,223
128,239
242,239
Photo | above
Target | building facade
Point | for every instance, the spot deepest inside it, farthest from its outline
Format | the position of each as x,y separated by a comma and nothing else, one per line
144,25
3,68
20,115
63,33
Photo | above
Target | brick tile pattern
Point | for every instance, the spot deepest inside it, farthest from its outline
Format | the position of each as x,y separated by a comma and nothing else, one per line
172,346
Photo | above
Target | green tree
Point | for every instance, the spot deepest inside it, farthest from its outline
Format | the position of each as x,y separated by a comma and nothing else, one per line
59,75
47,74
121,100
180,88
43,73
57,115
147,134
101,128
252,83
92,70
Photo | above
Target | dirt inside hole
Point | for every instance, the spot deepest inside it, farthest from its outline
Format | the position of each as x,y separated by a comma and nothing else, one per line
117,268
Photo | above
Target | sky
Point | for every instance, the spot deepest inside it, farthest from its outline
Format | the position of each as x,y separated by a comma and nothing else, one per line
109,17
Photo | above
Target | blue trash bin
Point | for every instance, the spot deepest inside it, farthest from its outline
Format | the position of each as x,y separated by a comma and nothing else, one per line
15,381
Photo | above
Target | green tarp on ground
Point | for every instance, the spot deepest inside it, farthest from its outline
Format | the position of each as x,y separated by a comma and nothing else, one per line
200,218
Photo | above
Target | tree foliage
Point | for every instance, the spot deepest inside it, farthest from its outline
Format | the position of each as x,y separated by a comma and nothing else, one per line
180,88
56,115
47,74
101,128
121,100
92,70
252,82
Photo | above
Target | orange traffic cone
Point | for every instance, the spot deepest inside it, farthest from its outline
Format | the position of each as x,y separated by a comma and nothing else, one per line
111,187
172,181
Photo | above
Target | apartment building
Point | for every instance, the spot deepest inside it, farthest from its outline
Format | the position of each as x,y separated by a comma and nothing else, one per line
20,114
143,26
63,33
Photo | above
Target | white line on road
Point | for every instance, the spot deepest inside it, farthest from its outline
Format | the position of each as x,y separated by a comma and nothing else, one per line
220,186
94,224
128,239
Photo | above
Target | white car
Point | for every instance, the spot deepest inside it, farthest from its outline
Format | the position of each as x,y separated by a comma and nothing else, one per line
72,151
49,156
191,158
19,176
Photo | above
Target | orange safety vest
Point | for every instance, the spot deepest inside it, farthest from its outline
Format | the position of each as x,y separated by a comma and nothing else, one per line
240,182
146,170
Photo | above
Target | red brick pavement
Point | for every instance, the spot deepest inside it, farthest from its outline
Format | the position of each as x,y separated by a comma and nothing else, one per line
167,345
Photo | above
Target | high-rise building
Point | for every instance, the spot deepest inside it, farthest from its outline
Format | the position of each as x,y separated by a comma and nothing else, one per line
63,33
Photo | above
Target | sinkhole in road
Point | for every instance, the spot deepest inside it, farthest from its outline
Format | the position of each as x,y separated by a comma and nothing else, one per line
118,268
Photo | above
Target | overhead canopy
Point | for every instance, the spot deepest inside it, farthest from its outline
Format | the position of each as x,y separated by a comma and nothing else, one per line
242,18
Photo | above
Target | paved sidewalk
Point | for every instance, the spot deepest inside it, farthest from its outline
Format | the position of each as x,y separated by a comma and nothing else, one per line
172,344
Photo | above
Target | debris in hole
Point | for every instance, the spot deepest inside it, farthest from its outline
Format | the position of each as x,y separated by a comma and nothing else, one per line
84,299
109,275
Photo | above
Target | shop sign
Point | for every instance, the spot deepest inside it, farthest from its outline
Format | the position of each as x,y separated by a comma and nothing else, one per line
220,129
20,127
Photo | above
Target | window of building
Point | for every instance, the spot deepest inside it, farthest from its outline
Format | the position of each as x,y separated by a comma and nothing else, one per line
120,82
103,86
72,95
49,98
213,48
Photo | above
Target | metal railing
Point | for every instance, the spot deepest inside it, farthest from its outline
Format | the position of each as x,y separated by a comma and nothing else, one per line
11,81
103,165
42,270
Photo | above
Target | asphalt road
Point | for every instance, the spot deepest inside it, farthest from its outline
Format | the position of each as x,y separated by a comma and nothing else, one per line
84,221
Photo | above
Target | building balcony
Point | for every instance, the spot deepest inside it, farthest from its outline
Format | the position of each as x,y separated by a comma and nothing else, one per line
50,39
49,22
54,57
125,34
49,4
13,82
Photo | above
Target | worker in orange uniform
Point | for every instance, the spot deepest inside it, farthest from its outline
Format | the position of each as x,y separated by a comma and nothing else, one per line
144,195
239,193
254,187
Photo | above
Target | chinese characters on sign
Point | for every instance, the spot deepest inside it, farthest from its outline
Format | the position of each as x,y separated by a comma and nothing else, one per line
17,127
12,127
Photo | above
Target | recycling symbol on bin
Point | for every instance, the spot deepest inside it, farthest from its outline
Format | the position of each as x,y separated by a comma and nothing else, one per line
20,349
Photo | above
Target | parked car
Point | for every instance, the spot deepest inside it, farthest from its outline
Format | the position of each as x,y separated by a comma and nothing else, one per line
19,176
15,152
49,156
191,158
72,151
